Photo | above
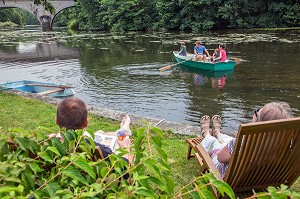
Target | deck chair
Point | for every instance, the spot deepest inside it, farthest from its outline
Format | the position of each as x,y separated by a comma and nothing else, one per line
265,154
192,142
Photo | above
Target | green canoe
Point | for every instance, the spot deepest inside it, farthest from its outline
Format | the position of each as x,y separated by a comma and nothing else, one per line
208,65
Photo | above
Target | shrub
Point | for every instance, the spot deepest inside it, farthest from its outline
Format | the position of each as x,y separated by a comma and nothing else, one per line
51,168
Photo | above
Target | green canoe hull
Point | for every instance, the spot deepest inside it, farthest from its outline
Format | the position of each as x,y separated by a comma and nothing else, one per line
208,65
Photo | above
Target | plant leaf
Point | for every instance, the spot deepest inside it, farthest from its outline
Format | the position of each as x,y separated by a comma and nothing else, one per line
52,187
224,188
29,179
54,150
23,143
145,192
20,189
34,167
157,141
45,156
84,166
73,173
58,145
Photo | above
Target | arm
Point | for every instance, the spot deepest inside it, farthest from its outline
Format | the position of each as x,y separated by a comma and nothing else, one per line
223,155
207,53
220,56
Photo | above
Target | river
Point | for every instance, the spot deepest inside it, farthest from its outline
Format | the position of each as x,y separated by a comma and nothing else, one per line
121,71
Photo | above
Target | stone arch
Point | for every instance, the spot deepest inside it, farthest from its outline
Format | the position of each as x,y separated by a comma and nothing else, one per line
59,9
45,17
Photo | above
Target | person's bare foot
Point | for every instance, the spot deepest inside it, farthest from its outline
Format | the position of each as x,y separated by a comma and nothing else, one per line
125,125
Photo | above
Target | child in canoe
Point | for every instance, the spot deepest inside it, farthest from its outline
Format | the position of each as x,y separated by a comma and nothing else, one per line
215,55
182,49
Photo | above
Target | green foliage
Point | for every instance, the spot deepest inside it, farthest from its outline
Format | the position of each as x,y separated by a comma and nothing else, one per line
54,168
7,25
13,15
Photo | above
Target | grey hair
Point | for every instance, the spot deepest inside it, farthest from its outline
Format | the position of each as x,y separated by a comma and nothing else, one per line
275,111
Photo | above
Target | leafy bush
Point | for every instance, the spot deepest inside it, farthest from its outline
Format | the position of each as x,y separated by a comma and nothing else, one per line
8,25
52,168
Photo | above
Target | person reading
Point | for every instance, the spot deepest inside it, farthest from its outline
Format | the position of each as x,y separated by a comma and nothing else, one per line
72,114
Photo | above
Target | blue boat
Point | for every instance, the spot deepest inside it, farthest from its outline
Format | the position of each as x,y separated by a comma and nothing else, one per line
208,65
40,88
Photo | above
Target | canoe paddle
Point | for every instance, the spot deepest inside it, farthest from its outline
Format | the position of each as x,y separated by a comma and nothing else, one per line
236,59
53,86
170,66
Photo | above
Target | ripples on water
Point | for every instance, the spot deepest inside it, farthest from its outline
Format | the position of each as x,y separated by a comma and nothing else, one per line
121,72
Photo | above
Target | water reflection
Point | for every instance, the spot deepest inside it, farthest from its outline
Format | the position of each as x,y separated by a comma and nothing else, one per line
46,48
217,79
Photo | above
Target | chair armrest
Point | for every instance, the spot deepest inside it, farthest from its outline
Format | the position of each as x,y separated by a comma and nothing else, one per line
205,162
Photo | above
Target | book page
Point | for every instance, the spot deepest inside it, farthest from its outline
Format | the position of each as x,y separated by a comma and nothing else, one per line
107,139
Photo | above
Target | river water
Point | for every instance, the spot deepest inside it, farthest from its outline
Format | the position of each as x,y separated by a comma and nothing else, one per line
121,71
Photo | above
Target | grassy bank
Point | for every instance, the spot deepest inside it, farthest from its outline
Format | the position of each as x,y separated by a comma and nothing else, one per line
28,114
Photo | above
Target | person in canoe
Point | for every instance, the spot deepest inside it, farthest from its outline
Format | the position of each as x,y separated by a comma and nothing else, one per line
182,51
199,51
222,55
215,55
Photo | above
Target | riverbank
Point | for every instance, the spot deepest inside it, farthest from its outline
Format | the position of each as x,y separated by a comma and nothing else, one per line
28,114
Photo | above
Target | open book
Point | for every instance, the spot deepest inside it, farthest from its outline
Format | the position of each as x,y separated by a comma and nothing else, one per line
107,139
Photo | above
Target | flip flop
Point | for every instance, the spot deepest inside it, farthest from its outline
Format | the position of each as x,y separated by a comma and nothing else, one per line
216,123
204,124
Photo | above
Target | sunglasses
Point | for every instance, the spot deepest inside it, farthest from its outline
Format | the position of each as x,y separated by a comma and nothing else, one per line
256,112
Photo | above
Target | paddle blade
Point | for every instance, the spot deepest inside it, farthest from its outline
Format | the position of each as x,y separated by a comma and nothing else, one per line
165,68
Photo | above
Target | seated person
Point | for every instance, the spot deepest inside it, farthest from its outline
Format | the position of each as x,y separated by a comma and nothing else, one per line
199,51
215,55
72,114
182,51
220,146
222,55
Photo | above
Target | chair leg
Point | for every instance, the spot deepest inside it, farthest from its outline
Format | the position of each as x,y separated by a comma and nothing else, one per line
189,152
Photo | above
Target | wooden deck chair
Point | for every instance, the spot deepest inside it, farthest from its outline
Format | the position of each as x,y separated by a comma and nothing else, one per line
97,154
265,154
192,142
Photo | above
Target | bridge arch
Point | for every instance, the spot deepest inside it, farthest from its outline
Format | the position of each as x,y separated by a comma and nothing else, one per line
44,17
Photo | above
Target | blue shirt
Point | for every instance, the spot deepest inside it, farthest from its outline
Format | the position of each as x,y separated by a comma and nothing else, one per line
200,51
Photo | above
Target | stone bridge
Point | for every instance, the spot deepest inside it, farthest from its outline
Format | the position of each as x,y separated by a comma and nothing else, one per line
45,17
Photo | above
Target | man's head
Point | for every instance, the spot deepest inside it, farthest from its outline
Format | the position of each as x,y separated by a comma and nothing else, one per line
198,43
71,114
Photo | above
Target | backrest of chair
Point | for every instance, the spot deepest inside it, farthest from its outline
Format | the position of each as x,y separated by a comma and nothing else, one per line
265,154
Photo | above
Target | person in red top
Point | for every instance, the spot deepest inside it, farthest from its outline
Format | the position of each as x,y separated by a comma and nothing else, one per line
222,55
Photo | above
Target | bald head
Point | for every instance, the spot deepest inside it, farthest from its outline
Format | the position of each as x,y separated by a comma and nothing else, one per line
71,114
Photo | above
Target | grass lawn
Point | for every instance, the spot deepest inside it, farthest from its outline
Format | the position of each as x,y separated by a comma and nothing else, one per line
28,114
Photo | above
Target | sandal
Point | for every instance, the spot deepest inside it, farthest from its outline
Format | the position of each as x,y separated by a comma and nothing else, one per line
204,124
216,124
